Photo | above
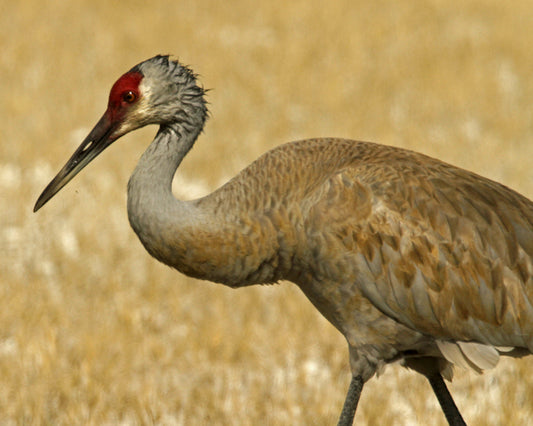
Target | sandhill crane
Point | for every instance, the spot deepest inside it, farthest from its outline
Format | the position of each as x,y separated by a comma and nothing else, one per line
411,259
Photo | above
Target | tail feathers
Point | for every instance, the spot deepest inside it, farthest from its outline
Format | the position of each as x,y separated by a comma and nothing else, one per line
447,371
483,356
469,355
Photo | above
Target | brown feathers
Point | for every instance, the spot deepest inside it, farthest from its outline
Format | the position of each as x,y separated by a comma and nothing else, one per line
434,252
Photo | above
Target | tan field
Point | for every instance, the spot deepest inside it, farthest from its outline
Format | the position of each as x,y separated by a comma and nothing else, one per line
93,331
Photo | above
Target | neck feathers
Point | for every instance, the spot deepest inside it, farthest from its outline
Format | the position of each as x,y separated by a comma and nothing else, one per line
152,207
214,238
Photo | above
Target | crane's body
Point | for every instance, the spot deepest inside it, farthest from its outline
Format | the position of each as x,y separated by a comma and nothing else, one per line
408,257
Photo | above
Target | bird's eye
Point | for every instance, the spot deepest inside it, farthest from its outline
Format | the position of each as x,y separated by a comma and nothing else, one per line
129,97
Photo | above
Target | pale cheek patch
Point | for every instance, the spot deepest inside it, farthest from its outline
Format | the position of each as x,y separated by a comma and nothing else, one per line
136,118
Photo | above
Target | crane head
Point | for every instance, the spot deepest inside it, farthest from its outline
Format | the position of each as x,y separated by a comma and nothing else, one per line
156,91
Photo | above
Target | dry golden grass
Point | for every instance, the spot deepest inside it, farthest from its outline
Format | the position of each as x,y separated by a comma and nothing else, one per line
93,331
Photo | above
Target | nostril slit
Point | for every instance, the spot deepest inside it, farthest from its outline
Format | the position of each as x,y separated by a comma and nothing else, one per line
86,147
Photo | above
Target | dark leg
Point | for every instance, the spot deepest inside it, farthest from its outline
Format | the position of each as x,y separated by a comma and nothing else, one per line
445,399
350,403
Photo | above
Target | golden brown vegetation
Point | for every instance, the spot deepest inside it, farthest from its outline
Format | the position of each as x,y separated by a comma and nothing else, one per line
93,331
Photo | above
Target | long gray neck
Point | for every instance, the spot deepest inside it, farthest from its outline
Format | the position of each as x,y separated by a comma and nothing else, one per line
153,211
179,103
202,238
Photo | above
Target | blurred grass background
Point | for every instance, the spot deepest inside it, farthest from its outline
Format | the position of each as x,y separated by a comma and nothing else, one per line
93,331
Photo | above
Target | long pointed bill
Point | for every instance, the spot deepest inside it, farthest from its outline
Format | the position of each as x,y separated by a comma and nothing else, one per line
100,137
